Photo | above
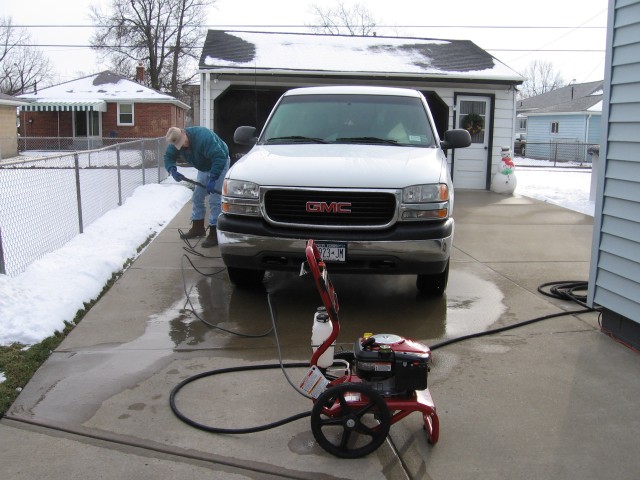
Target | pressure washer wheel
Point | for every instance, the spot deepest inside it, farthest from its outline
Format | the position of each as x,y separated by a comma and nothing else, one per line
350,420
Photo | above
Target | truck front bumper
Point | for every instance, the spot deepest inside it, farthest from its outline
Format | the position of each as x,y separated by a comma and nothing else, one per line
412,248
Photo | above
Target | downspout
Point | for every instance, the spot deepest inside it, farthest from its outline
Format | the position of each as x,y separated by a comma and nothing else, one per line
586,135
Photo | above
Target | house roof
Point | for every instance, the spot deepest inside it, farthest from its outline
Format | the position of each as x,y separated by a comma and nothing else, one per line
93,92
299,53
573,98
8,100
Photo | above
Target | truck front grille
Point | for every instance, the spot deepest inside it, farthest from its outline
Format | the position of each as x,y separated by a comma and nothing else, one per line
330,208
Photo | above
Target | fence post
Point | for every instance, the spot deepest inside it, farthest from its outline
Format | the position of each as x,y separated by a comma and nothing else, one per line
144,150
3,270
78,195
119,175
159,157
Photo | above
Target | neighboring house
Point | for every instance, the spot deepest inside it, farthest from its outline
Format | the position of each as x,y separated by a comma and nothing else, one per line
560,124
9,125
614,277
100,105
242,75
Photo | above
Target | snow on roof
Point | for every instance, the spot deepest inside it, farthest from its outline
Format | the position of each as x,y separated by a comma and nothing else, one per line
335,54
8,100
106,86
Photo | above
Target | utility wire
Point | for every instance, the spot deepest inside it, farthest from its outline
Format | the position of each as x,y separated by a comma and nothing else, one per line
573,50
502,27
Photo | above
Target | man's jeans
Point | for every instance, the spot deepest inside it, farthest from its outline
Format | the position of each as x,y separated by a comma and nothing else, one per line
199,210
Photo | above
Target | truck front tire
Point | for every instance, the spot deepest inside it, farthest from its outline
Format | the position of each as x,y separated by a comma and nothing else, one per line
243,277
434,285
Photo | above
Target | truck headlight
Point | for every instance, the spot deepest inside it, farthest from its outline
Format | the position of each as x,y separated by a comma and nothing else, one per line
240,198
425,202
239,188
437,192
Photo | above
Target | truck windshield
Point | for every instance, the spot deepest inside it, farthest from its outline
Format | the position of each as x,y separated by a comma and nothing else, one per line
370,119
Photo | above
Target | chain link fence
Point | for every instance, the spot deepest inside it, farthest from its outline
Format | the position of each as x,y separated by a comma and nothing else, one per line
557,154
48,199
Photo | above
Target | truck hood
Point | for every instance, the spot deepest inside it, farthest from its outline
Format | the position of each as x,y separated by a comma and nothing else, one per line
340,166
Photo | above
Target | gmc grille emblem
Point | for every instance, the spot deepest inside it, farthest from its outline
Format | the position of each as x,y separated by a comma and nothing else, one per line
324,207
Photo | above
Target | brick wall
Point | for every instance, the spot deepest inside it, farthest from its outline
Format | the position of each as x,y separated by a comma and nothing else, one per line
151,120
46,124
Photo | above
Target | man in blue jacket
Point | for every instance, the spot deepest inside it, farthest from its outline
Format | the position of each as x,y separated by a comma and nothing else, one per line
208,153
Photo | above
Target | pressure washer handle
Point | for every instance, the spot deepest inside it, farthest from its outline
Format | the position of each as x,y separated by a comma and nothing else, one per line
198,184
327,294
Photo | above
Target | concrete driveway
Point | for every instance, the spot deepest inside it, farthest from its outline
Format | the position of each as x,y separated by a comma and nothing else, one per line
555,399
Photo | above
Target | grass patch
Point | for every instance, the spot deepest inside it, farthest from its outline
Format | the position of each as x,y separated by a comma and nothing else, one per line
18,362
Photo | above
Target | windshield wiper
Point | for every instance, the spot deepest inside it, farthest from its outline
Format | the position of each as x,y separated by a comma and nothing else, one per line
295,138
366,140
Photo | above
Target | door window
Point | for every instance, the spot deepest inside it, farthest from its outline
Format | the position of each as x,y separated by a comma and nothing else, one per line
473,117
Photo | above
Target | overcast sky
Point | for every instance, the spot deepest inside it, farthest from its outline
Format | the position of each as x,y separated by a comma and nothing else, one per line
49,25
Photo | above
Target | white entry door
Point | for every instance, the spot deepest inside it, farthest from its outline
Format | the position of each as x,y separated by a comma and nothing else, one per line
470,164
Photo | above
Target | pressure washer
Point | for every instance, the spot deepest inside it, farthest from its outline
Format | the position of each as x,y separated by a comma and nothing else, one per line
384,379
357,395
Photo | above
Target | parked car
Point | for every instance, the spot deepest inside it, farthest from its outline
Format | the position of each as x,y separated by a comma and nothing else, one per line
361,170
520,145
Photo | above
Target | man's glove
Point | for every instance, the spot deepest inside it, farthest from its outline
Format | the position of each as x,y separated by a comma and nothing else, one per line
178,177
212,184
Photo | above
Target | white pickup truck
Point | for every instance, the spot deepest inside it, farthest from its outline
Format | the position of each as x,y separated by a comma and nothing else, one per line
360,170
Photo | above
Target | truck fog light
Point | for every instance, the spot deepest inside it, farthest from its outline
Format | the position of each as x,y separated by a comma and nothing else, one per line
424,214
239,209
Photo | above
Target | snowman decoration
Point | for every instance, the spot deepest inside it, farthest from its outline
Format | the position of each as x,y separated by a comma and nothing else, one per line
504,181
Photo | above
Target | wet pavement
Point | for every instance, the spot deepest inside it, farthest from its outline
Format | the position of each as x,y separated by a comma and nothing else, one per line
555,399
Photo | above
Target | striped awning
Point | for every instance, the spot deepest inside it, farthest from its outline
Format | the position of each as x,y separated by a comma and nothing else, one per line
65,106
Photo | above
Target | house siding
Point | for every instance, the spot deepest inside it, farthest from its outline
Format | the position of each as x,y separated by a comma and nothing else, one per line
595,129
576,129
8,132
614,278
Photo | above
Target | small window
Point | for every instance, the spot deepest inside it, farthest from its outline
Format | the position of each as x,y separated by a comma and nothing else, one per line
125,114
555,127
523,124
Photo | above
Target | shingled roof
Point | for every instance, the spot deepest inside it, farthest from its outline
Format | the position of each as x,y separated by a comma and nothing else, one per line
92,92
289,53
571,98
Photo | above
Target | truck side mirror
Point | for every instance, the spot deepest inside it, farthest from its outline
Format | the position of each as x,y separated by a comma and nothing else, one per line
456,138
245,136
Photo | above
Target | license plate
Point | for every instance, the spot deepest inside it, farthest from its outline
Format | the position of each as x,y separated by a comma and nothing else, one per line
332,252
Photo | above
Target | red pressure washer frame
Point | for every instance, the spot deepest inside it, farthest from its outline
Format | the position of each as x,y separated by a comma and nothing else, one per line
398,406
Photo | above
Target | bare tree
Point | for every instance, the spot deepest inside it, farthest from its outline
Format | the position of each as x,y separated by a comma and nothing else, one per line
22,66
342,20
164,35
541,77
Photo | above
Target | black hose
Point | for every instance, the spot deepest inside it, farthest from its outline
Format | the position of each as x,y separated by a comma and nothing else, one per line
207,428
564,290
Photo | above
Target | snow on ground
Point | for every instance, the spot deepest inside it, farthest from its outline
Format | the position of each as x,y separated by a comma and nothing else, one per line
565,187
36,303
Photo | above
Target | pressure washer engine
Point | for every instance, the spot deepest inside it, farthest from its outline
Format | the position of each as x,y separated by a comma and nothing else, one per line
391,364
358,395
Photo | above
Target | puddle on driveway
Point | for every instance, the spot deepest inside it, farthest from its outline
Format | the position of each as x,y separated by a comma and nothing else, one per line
368,303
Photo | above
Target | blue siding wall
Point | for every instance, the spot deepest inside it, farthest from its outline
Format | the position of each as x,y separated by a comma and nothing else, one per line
595,128
568,143
614,279
572,128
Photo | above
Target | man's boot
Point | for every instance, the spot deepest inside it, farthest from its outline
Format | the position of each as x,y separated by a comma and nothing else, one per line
212,238
197,230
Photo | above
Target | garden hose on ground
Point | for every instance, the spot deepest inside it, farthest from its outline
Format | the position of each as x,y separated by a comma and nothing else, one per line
563,290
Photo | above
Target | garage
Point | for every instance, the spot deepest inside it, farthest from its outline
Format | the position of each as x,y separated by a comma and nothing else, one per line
242,75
